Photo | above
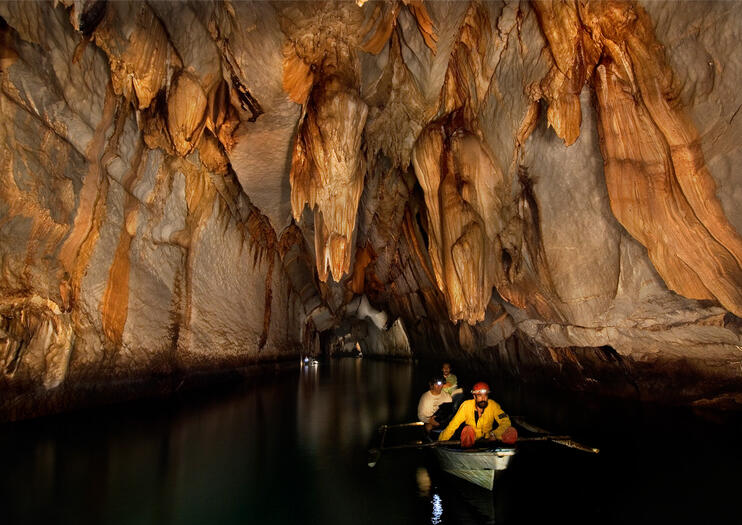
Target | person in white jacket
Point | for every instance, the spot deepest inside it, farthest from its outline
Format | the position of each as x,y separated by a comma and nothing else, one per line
430,401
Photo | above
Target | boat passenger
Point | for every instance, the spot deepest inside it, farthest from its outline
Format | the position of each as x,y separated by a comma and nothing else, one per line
451,386
430,402
480,418
451,382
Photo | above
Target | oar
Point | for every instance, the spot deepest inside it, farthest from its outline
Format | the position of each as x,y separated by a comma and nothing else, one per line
525,424
483,443
567,441
403,425
374,454
571,443
422,444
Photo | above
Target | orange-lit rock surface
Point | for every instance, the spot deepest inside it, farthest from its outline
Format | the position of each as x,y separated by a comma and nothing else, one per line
327,164
547,188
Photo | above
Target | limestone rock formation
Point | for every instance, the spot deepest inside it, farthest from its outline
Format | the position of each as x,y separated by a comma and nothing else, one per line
547,188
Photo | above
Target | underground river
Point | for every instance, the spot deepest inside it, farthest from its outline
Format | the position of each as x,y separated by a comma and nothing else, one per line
290,447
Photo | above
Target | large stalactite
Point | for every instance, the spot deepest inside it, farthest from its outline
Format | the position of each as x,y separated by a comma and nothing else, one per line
327,165
547,187
661,190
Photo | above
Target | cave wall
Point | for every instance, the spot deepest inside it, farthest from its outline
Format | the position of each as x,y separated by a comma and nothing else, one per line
546,188
120,261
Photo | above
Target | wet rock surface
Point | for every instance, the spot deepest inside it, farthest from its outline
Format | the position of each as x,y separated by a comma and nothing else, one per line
547,188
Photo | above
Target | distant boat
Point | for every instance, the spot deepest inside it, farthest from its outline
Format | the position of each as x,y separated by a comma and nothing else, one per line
309,361
477,466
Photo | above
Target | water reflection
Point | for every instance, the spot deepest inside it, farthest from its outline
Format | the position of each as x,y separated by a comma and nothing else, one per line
342,402
423,482
437,510
291,448
452,500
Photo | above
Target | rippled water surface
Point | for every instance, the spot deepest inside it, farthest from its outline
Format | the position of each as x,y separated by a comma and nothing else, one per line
291,448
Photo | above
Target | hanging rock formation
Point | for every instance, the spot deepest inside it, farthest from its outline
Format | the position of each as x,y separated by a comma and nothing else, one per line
545,188
321,72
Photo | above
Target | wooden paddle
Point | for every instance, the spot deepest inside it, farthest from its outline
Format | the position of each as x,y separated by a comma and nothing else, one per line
374,454
402,425
561,440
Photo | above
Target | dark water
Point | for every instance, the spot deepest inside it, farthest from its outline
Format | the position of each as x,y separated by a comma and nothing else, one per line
291,448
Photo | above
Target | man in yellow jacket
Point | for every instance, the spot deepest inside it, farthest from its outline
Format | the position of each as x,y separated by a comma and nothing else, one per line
482,418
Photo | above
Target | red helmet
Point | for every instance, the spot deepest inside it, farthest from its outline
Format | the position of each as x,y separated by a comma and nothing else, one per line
480,388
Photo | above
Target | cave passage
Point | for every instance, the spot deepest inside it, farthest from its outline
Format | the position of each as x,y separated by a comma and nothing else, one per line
195,187
291,448
195,194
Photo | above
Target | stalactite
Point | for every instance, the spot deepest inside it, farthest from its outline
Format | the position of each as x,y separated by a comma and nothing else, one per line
384,18
144,64
298,77
575,56
36,339
78,246
409,231
469,73
186,112
397,110
211,154
263,236
200,195
115,304
223,26
364,257
660,188
140,62
327,164
460,180
327,171
523,274
221,118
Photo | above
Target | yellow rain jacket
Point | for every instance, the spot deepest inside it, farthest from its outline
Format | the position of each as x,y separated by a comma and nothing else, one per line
493,413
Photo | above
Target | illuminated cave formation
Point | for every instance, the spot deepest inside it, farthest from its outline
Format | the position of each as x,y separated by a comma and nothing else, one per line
546,189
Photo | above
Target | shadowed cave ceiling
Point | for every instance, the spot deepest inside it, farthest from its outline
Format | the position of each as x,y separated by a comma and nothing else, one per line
547,188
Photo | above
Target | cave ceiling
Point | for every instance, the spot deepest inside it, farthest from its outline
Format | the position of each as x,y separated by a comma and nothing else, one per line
192,185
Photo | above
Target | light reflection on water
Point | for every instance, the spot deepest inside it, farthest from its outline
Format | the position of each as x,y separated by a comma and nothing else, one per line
423,482
347,411
437,510
287,448
291,448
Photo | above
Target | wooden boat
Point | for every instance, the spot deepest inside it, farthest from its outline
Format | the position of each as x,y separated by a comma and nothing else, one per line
476,465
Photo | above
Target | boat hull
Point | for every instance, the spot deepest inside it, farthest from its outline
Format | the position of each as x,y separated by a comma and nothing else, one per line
475,465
